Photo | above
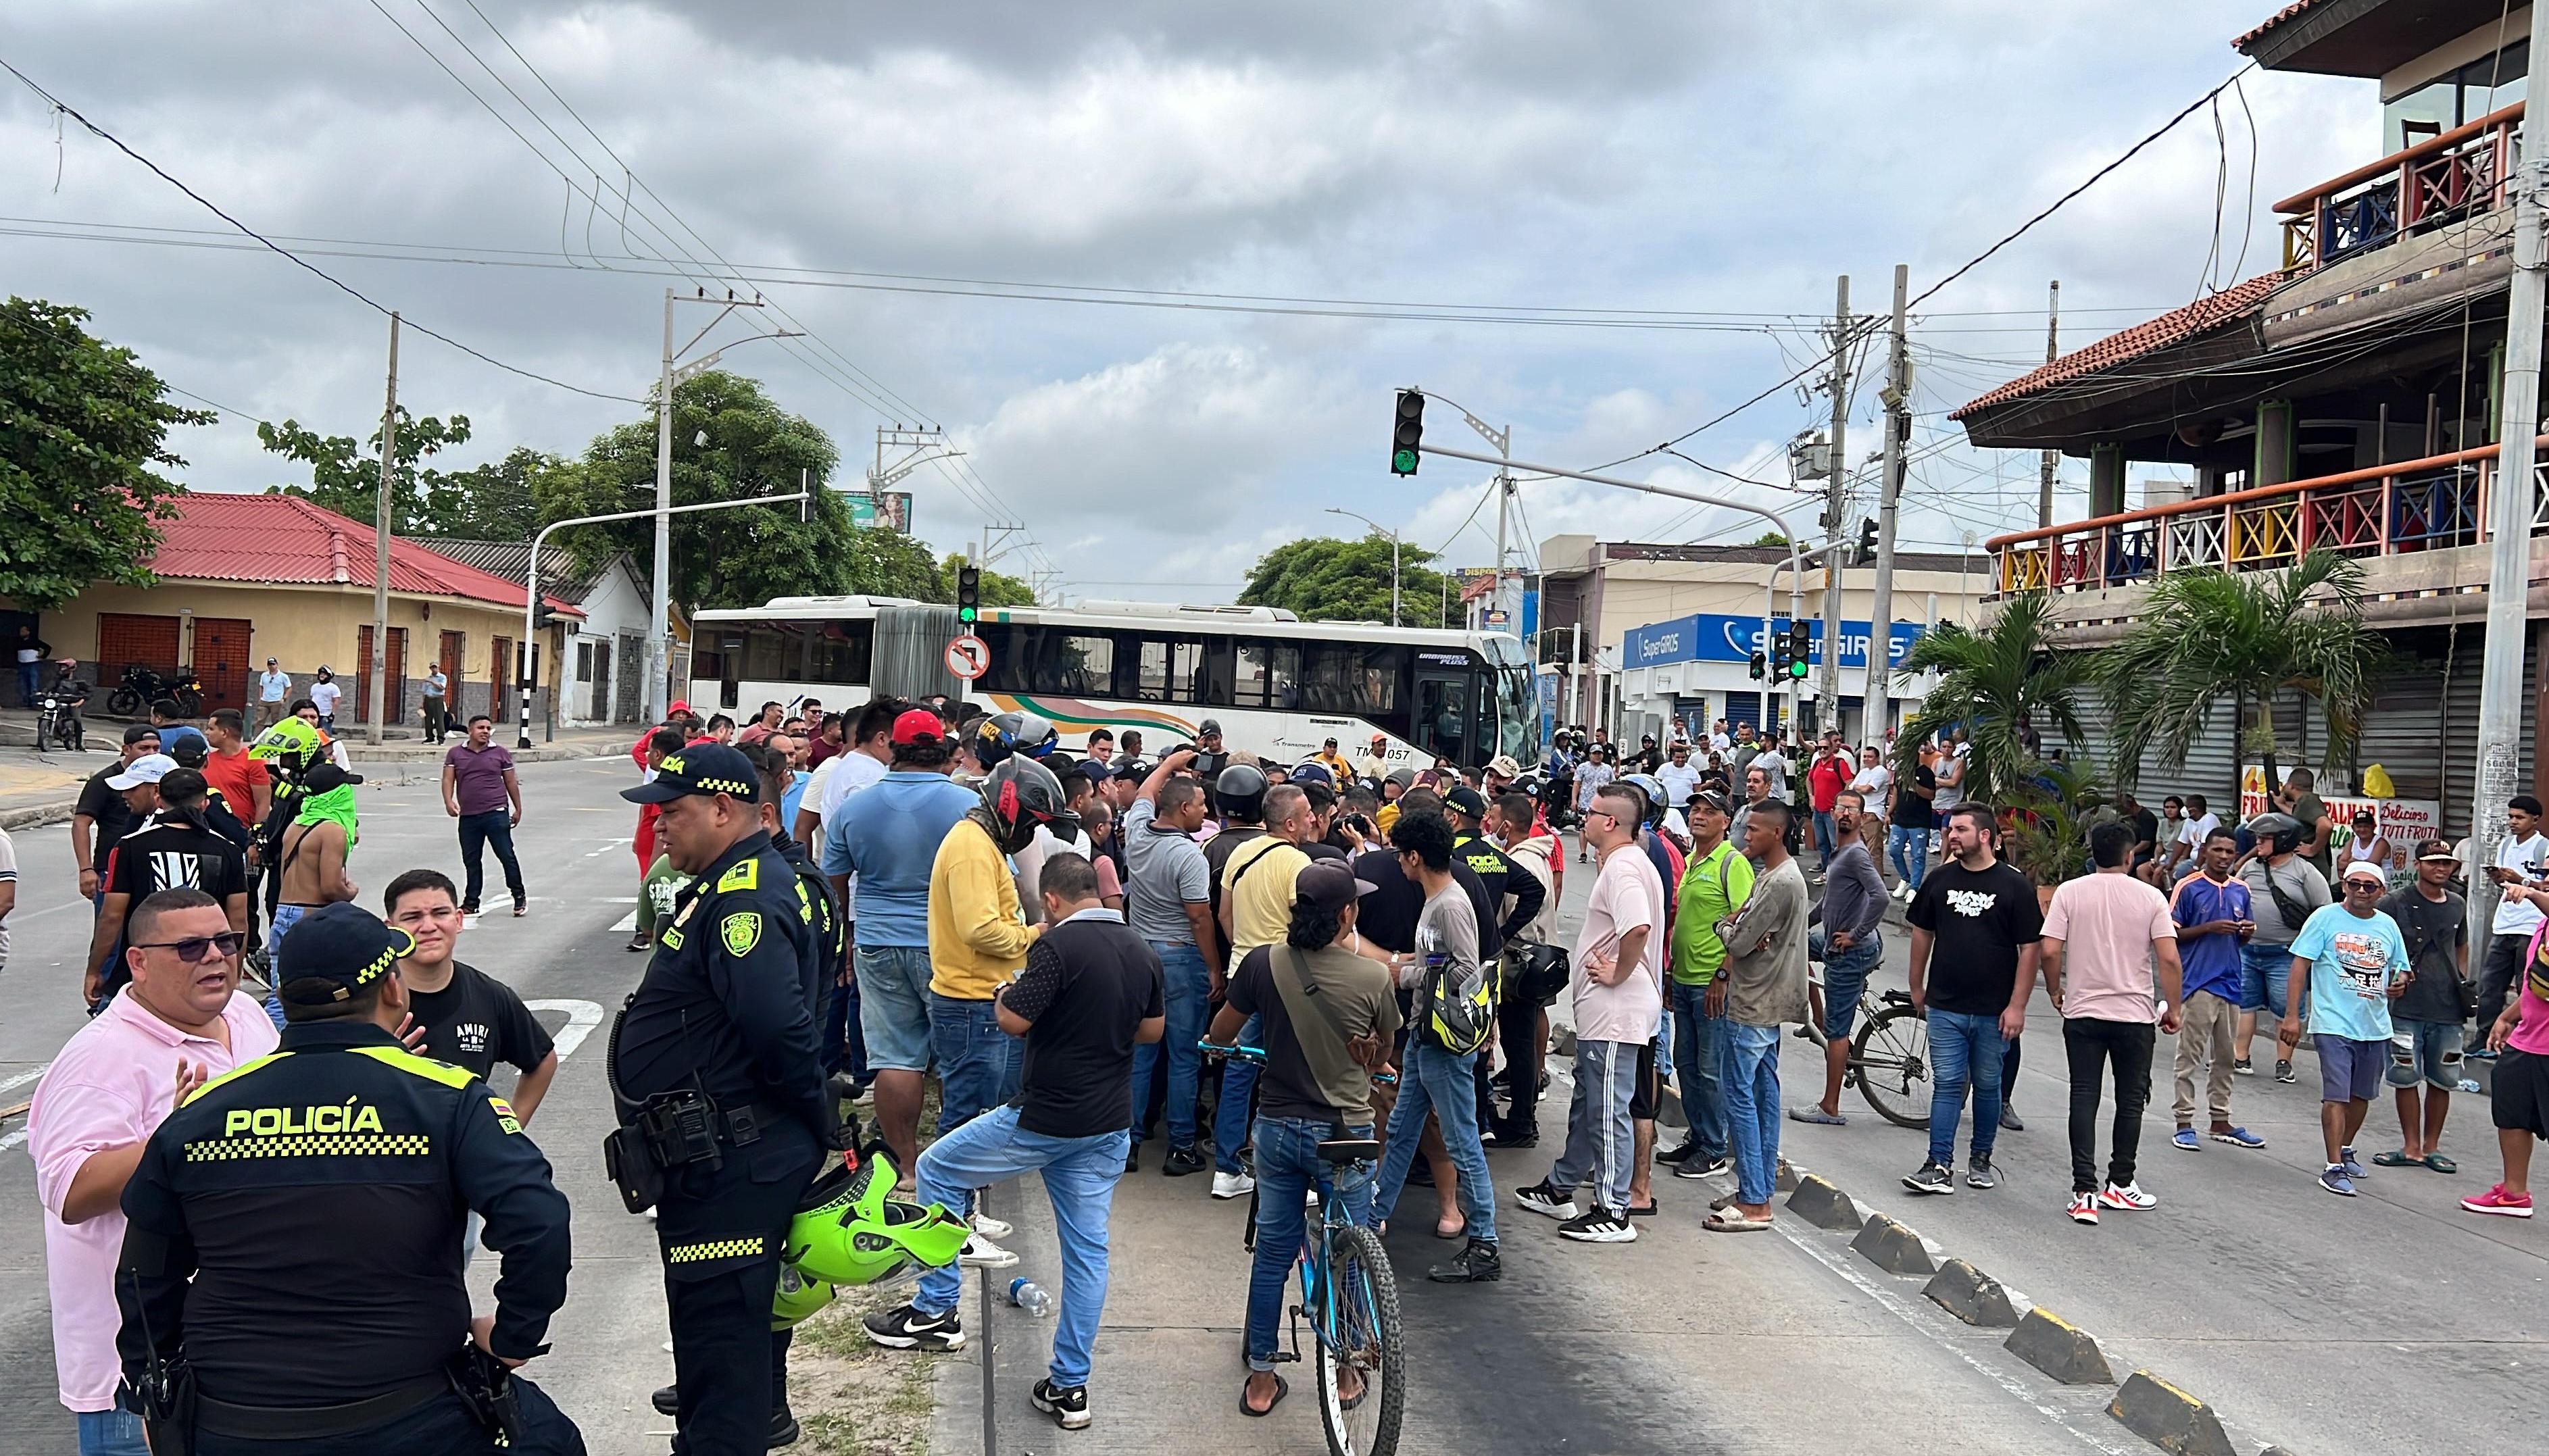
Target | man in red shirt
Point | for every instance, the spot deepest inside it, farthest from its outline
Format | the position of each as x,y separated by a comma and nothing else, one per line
1825,780
245,785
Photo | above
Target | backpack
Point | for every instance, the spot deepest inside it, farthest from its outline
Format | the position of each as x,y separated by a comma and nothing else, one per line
1459,1004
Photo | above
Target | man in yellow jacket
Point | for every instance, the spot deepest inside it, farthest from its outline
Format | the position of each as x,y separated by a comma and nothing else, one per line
979,937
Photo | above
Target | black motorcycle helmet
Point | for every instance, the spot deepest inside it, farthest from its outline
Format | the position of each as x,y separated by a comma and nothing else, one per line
1240,793
1020,794
2279,833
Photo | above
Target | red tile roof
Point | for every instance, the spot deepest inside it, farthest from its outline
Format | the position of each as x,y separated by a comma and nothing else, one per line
221,537
2272,21
2174,326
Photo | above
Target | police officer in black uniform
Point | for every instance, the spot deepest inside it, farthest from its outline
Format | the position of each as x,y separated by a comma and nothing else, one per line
291,1276
718,1071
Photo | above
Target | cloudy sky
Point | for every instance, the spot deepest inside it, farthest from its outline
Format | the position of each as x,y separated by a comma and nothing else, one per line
1639,208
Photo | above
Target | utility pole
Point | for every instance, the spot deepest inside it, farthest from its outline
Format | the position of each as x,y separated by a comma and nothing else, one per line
379,667
2052,348
659,621
1889,493
2500,688
1835,506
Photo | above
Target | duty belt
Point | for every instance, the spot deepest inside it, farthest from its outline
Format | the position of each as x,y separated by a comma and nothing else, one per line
314,1423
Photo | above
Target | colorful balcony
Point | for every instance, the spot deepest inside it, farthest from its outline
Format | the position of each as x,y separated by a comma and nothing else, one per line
2442,179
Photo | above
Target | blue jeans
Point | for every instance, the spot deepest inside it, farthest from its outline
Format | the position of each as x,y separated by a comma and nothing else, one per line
2265,977
978,1062
477,832
1826,845
1186,988
111,1433
1909,848
1287,1168
1845,979
844,1049
1230,1118
30,680
1698,1050
1080,1176
1963,1048
286,916
1752,1109
1446,1083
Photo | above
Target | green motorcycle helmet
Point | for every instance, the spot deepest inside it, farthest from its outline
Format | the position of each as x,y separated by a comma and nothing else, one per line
290,742
797,1298
849,1231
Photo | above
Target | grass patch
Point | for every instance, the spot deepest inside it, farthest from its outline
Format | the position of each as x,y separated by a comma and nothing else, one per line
854,1398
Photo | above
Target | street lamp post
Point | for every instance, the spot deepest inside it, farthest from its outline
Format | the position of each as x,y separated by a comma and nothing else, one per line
1393,556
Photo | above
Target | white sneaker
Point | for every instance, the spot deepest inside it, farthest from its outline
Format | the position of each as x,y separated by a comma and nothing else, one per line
982,1253
991,1227
1232,1185
2129,1197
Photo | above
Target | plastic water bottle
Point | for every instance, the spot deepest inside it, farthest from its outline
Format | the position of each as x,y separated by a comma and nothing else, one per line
1030,1296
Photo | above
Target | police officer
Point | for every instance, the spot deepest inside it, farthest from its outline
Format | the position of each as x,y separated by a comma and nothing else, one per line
291,1269
718,1071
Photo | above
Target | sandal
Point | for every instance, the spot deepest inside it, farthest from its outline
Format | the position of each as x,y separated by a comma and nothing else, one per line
1653,1202
1462,1231
2440,1163
1818,1117
1733,1220
1282,1388
2399,1159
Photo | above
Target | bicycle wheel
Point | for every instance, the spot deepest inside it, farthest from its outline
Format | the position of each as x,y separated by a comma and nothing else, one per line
1358,1330
1891,1059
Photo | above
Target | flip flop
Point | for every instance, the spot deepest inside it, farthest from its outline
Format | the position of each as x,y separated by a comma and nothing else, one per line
1732,1221
1817,1115
1721,1204
1282,1388
1461,1232
2399,1159
2440,1163
1649,1211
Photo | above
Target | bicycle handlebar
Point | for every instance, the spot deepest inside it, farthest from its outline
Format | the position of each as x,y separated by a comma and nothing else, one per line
1212,1049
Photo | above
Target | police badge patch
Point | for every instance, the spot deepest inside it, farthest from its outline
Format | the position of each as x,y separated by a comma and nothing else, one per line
740,931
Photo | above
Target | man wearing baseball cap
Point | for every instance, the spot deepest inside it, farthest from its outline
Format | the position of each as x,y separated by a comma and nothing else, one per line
349,1157
172,844
2425,1021
718,1073
2353,958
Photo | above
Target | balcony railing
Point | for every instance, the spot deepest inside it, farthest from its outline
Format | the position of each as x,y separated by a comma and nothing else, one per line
2397,509
2454,175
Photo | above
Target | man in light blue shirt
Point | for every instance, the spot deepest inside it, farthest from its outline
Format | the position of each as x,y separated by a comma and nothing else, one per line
2355,959
273,685
887,836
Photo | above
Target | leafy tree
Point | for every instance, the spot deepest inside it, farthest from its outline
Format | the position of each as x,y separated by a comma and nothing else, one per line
345,475
83,431
2001,684
495,501
2205,634
1771,538
998,589
1322,577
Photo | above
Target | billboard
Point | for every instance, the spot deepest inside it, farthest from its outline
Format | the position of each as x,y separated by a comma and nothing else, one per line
1714,637
865,511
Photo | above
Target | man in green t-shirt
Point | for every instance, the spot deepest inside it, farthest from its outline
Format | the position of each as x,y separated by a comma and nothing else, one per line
655,896
1716,881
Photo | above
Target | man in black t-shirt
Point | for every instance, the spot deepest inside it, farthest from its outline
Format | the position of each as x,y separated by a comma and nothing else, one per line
1974,930
469,1018
174,847
1909,821
101,817
1090,991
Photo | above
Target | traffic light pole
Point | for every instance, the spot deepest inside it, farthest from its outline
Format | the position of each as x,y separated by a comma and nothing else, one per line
1875,706
1835,506
531,584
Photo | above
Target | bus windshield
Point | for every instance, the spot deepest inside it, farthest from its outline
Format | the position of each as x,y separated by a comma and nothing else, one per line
1517,708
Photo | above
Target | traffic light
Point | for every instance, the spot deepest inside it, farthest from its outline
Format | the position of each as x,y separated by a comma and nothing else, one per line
969,595
1800,643
1409,432
1866,540
1778,653
1760,667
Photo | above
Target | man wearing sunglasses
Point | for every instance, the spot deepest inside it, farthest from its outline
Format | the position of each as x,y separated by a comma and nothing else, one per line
181,1022
174,847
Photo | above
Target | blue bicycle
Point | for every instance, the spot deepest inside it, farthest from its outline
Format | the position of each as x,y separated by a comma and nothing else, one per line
1349,1297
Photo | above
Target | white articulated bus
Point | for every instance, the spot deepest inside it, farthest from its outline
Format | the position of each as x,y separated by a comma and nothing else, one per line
1280,686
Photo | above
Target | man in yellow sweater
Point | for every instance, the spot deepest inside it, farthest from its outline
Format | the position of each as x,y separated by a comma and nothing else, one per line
979,937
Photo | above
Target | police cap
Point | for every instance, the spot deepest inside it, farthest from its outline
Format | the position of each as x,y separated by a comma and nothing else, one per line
345,946
702,768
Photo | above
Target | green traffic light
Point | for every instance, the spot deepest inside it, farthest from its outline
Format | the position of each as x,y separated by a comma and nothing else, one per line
967,614
1404,462
1797,670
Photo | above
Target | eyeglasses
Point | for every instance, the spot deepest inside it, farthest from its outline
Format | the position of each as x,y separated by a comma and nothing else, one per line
193,949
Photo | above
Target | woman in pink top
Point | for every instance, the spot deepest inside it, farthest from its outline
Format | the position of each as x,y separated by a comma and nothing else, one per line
180,1022
2103,934
2520,1097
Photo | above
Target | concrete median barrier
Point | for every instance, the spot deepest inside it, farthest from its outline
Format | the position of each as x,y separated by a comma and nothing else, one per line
1820,1204
1971,1294
1892,1248
2060,1349
1785,1179
2169,1418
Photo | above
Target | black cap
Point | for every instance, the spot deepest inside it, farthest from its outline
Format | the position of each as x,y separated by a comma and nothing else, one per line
1329,884
702,768
346,946
1466,801
327,778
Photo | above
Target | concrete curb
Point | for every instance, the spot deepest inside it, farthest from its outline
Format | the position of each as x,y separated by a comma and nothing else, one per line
1819,1203
2059,1348
1892,1248
1972,1296
1784,1180
2169,1418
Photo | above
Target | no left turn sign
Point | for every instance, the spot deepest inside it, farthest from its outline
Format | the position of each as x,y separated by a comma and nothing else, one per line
968,656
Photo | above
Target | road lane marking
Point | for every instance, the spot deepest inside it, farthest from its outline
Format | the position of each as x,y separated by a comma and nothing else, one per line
609,845
627,921
8,1084
580,1018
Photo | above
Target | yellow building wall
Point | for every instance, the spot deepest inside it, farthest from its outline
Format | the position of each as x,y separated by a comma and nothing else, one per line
305,626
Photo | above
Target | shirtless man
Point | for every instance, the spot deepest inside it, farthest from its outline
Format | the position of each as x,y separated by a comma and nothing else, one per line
311,855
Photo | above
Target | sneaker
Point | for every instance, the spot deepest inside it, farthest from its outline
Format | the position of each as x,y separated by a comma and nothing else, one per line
2353,1166
2244,1067
1932,1177
1601,1225
991,1227
1479,1263
1068,1408
982,1253
2496,1201
2010,1121
2239,1137
668,1401
2129,1198
2284,1071
1540,1198
2084,1208
1981,1175
2479,1053
1512,1137
904,1328
1133,1157
1232,1185
2333,1179
1183,1161
784,1429
2186,1141
1677,1155
1699,1166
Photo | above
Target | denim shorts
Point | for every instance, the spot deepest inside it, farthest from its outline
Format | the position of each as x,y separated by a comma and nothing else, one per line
2265,973
2425,1051
2349,1071
1846,980
893,1006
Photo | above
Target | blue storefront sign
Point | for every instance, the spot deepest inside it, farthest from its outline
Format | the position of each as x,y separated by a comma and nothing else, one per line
1711,637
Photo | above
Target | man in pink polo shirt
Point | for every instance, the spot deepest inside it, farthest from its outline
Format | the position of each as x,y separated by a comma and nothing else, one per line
180,1022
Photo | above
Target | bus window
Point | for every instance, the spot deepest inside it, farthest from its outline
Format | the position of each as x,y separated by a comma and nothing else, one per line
1443,712
1077,666
1167,670
775,652
840,654
1219,668
1248,688
1351,677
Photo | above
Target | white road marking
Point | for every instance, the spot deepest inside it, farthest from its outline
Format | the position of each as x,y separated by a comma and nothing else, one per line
607,846
23,1078
12,1140
580,1018
627,921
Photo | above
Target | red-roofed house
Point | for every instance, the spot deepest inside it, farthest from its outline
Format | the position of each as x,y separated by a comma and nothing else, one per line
243,578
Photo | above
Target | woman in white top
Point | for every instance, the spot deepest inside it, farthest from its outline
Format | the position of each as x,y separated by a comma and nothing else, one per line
1870,783
2368,845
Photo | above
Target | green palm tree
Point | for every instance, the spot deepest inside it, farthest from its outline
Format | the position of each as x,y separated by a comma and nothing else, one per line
2004,684
2207,634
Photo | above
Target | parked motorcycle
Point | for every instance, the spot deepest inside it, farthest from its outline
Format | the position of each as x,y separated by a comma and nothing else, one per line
140,686
56,724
